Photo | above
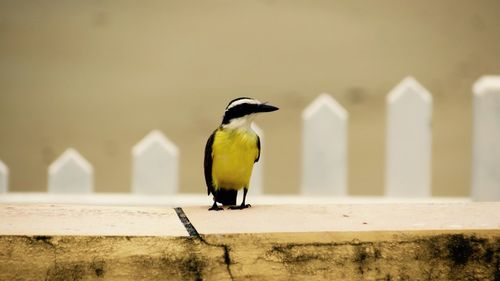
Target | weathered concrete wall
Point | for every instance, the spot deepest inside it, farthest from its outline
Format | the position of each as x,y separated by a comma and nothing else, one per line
111,258
277,256
368,256
452,241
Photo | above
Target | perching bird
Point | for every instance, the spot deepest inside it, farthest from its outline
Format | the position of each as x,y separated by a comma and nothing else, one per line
231,151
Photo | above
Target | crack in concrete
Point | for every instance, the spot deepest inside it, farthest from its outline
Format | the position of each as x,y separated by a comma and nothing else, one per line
457,256
187,224
227,254
194,233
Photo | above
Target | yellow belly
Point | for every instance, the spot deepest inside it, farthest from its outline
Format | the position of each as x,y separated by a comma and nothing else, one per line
234,153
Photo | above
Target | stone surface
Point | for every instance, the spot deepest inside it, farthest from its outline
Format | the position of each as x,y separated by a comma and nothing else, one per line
409,140
362,256
324,151
109,258
45,220
456,242
486,140
347,218
276,256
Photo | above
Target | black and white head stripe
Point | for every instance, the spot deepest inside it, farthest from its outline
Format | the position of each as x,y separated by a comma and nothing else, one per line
241,107
242,100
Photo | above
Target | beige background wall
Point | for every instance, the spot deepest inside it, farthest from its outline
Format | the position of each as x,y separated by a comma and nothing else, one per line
99,75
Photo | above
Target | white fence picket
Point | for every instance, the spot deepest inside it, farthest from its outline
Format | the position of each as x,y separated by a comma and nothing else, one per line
256,182
408,143
4,177
486,140
324,162
71,173
324,169
155,165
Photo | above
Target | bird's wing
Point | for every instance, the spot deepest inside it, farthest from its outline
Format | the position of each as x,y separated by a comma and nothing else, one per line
208,163
258,150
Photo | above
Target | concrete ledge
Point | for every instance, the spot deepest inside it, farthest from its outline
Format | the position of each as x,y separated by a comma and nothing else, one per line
49,220
348,218
264,242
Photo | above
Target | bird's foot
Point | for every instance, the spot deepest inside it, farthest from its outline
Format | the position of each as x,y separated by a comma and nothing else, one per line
240,207
215,208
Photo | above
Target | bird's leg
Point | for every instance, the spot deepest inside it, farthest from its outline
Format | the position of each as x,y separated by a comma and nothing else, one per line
243,205
215,207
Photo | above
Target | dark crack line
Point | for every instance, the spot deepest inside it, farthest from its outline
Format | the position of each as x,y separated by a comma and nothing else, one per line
227,257
187,224
194,233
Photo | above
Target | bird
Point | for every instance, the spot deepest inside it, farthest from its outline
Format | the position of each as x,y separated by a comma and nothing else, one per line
231,151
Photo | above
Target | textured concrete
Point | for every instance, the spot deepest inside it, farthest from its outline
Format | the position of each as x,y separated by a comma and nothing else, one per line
89,221
348,218
269,252
109,258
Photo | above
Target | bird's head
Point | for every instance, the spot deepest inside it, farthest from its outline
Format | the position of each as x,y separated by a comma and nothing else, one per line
241,111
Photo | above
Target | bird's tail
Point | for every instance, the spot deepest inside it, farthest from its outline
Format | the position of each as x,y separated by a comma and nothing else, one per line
226,196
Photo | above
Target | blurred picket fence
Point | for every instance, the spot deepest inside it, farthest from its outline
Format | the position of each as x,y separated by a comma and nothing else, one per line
155,166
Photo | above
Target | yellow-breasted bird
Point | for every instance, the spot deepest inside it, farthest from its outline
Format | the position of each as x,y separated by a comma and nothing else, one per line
231,151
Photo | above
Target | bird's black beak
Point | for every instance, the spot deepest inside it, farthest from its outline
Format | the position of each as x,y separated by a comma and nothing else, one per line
264,107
